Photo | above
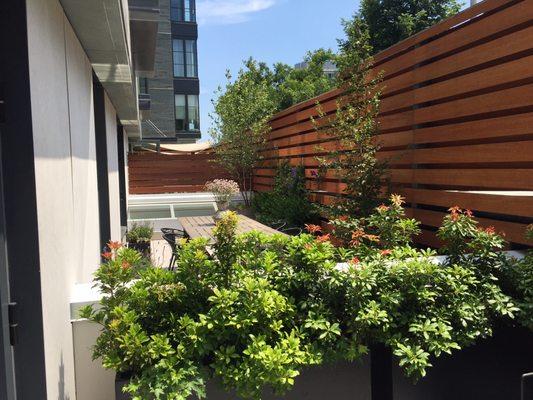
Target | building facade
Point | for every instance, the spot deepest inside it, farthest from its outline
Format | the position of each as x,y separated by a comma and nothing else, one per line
330,69
171,113
68,107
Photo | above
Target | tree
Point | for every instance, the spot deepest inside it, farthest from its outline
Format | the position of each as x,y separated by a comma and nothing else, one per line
243,110
390,21
245,105
354,127
292,86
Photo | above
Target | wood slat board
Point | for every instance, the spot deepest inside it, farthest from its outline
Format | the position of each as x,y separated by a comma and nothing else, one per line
152,173
456,121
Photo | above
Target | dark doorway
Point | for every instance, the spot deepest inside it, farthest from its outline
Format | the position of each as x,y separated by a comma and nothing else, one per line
22,366
7,365
102,170
122,175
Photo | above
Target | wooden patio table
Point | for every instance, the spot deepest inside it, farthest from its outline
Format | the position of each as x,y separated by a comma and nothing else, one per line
202,227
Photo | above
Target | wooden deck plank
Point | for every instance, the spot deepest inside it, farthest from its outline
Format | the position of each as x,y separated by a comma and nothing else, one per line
202,226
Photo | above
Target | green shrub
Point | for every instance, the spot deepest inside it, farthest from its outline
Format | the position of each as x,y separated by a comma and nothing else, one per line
264,307
140,233
287,204
519,283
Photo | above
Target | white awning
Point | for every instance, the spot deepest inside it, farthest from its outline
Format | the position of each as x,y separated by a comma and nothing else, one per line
187,148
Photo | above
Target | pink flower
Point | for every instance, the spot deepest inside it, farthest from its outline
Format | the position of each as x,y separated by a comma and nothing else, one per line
114,245
385,252
323,238
490,230
313,228
455,211
372,238
356,237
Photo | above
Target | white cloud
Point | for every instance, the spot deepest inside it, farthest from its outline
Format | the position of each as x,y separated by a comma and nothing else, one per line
229,11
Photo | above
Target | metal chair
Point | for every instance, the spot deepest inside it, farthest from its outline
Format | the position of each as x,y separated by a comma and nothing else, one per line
283,228
170,235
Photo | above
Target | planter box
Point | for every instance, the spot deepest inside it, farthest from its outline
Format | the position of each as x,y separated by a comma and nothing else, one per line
489,370
341,381
120,382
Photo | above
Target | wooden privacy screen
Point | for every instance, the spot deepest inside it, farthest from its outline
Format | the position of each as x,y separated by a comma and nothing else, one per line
152,173
456,117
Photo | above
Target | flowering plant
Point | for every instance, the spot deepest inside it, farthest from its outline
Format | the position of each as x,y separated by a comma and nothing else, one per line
264,307
223,190
386,228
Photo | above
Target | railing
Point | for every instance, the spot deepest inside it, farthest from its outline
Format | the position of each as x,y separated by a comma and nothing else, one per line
456,118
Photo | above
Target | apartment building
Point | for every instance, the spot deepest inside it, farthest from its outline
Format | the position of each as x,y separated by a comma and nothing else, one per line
170,97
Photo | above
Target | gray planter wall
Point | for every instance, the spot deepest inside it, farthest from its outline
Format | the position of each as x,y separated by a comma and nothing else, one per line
490,370
342,381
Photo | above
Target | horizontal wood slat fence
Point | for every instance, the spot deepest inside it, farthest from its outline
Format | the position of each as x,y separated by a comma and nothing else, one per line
153,173
456,118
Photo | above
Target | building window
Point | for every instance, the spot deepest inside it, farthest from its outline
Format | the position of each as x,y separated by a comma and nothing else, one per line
184,56
143,85
187,112
182,11
181,111
193,112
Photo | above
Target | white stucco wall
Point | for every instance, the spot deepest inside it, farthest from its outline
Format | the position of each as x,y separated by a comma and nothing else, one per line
93,381
66,181
112,167
83,158
53,175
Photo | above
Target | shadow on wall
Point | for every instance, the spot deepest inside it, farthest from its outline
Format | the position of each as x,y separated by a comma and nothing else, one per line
61,384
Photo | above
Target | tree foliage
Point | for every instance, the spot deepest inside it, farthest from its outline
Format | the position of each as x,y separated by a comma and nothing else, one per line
390,21
245,105
353,127
242,112
292,86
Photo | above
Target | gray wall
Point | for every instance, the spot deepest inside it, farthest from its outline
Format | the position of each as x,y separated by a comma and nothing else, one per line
65,173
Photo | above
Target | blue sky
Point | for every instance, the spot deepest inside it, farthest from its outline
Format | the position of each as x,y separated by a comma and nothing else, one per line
268,30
